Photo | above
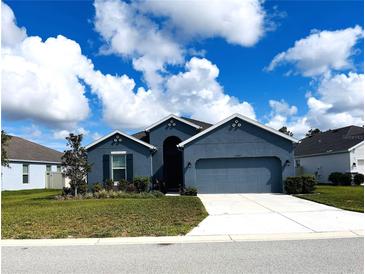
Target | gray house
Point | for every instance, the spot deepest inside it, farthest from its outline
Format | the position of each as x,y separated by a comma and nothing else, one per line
235,155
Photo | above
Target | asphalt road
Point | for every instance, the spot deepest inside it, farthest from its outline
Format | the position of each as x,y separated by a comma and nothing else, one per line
307,256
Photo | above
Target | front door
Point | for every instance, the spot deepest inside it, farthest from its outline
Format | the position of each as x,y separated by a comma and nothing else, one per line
172,160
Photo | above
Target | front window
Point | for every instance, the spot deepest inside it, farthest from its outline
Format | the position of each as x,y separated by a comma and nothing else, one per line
48,168
297,163
58,168
119,167
25,174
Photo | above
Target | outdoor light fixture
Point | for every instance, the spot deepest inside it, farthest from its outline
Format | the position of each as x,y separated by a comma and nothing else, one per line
353,165
189,165
287,163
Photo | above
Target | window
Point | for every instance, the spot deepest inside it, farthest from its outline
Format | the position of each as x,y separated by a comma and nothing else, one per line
48,168
25,174
119,167
58,168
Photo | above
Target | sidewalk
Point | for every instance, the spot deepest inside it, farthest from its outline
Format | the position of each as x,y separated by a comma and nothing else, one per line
184,239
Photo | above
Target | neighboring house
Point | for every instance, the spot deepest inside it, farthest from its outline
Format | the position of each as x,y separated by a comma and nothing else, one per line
337,150
235,155
31,166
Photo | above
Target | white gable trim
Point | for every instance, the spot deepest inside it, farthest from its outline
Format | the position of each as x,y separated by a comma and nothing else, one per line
172,116
123,134
244,118
356,146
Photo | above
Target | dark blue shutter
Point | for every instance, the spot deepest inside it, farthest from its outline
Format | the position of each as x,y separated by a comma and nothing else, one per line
129,167
106,167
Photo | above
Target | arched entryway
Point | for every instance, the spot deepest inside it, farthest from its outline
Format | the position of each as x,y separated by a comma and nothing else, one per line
172,163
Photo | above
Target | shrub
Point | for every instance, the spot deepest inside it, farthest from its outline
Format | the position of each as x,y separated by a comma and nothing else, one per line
309,183
96,187
157,193
82,189
346,179
335,178
131,188
66,191
358,179
88,195
293,185
141,183
122,185
108,184
190,191
103,194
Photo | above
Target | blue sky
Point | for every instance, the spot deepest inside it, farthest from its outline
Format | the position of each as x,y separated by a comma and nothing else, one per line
293,92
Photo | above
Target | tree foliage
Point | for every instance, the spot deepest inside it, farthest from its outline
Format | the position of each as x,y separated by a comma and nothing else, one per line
5,138
74,162
312,132
286,131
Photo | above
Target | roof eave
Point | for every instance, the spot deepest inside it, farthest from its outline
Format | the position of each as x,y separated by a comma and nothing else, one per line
169,117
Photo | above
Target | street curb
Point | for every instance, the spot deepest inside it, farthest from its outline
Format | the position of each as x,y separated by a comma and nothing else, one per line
184,239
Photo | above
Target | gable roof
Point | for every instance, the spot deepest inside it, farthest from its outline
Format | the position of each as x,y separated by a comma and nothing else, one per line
183,120
19,149
336,140
123,134
244,118
202,124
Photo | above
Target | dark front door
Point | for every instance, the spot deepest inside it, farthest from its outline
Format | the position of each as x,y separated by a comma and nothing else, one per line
172,163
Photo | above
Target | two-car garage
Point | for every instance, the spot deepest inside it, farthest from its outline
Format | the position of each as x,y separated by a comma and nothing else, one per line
239,175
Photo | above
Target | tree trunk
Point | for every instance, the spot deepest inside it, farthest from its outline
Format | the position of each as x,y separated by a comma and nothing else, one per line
75,191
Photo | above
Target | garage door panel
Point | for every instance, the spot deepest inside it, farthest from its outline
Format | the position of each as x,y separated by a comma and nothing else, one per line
239,175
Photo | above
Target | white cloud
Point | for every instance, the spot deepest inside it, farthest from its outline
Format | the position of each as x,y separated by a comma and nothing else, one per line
197,92
321,52
339,102
132,31
62,134
11,34
238,22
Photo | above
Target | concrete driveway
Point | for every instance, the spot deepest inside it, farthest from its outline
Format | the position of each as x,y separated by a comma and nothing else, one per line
272,213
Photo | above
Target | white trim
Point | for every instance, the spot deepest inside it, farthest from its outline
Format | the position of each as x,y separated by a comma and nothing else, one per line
123,134
33,161
118,152
172,116
244,118
356,146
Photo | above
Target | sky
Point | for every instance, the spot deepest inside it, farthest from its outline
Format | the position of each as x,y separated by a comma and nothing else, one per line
92,67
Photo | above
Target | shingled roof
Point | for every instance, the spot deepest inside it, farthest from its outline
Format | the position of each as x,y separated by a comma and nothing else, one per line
143,136
22,149
330,141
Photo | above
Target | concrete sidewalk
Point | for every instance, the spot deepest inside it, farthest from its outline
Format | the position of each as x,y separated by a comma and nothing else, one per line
184,239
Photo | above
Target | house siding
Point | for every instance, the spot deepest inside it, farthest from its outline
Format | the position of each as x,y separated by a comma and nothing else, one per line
159,134
12,176
357,157
246,141
323,165
141,157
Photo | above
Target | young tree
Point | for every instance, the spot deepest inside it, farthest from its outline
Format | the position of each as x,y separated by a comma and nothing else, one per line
5,138
286,131
312,132
74,162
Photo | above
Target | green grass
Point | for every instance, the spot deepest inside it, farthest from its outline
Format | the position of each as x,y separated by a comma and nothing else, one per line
345,197
35,214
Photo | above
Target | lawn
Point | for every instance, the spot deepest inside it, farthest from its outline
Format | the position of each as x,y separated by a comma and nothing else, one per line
34,214
345,197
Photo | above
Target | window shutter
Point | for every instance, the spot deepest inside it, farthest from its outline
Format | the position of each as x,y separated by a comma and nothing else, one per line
129,167
106,167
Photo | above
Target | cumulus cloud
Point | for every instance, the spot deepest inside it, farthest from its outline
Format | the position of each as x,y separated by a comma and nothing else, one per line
62,134
337,102
11,34
132,30
238,22
320,52
45,81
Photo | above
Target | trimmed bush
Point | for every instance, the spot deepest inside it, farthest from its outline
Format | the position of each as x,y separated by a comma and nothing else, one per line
346,179
131,188
66,191
335,178
157,193
122,185
358,179
309,184
96,187
293,185
141,183
109,184
190,191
